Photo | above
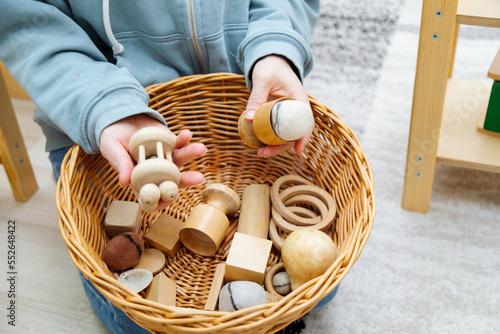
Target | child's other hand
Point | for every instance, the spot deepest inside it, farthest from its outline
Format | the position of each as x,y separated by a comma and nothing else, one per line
114,147
273,78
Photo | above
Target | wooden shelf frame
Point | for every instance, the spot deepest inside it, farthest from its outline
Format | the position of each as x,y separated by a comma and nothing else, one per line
13,152
445,111
484,13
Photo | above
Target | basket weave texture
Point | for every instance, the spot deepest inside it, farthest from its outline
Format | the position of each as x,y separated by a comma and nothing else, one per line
210,106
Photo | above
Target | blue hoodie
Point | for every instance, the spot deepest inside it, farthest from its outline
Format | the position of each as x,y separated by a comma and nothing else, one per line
85,63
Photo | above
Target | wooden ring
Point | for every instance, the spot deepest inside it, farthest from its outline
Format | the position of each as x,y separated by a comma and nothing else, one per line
310,200
309,190
273,229
289,227
268,280
277,201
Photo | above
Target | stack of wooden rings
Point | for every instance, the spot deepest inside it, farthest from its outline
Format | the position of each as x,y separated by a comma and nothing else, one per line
286,213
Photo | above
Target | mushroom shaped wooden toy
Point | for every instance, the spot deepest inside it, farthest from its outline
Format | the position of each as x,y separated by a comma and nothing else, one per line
155,176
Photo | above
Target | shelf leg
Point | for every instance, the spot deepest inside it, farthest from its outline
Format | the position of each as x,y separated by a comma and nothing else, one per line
13,153
454,49
435,51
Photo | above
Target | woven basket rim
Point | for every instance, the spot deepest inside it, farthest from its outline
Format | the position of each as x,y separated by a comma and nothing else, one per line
263,318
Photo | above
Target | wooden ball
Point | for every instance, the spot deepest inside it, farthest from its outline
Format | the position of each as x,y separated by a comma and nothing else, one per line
281,283
237,295
123,251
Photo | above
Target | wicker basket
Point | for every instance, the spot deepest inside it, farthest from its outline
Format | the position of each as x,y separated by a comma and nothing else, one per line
210,105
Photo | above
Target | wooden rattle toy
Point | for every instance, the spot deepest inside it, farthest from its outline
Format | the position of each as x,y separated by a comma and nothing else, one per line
307,254
276,122
249,253
207,224
121,217
155,176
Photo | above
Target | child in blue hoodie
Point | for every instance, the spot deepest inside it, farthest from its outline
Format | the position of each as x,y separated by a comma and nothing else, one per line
85,65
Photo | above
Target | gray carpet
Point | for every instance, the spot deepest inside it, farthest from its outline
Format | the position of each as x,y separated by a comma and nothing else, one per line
419,273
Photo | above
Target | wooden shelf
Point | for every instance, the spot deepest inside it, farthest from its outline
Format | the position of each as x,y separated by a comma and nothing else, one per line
460,143
484,13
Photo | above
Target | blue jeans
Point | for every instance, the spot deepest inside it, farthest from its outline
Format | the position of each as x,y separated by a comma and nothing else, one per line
111,316
114,319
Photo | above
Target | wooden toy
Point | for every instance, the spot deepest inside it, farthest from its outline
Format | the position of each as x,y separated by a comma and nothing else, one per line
155,176
241,294
268,281
250,249
280,211
123,251
300,186
162,290
121,217
307,254
215,287
164,234
136,279
490,124
152,259
255,211
247,258
207,224
276,122
273,229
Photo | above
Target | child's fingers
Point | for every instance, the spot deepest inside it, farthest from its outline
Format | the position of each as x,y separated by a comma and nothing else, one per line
190,178
301,144
118,158
258,96
183,139
267,151
187,153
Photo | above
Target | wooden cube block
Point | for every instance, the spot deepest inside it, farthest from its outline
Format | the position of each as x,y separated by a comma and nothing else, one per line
247,258
162,290
122,216
215,287
164,234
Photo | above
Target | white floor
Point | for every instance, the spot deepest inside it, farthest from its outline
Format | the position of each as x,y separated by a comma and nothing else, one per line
49,296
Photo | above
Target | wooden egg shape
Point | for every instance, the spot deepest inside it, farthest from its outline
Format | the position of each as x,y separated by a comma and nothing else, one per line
306,254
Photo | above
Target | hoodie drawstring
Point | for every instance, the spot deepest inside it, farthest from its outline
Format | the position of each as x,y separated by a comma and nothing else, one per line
117,47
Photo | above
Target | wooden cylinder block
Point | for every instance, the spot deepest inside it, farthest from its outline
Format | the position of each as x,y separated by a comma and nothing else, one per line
204,230
277,122
255,211
262,124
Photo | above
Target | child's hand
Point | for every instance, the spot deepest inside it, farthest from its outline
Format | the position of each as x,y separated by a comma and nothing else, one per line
114,147
274,78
